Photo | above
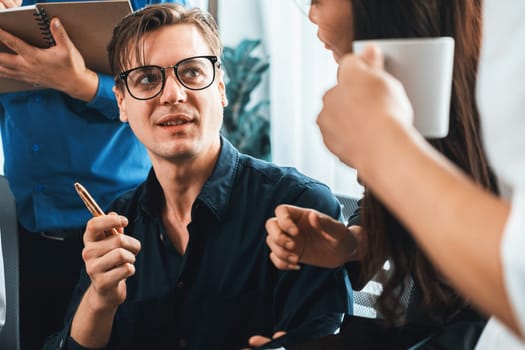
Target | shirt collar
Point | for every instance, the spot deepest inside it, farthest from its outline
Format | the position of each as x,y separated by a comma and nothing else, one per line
216,192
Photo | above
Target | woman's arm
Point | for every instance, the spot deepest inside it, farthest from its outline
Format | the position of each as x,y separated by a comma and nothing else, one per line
367,122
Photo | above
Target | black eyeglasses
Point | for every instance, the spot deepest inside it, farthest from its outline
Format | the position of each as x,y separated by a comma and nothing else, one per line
146,82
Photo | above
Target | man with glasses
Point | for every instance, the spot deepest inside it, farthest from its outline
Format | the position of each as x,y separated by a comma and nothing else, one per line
192,269
65,130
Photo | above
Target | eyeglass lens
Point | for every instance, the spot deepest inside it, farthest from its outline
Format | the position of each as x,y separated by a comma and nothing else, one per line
194,73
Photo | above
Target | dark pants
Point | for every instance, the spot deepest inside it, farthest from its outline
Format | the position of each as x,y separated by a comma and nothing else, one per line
49,270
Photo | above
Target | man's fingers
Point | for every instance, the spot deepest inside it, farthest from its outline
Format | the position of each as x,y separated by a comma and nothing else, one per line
5,4
325,223
106,262
99,248
16,44
106,281
282,252
288,216
96,227
279,237
278,334
259,340
283,264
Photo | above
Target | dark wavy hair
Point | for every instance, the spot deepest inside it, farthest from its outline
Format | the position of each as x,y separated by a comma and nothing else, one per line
388,240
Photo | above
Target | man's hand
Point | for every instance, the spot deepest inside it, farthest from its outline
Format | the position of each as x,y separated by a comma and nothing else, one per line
6,4
259,340
60,67
298,235
109,260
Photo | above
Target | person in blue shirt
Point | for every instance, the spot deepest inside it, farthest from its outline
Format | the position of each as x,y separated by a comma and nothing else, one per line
52,137
191,268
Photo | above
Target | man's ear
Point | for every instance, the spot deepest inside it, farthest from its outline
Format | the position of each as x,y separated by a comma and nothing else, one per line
119,95
222,89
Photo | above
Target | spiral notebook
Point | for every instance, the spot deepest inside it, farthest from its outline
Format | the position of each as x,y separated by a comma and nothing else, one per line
89,25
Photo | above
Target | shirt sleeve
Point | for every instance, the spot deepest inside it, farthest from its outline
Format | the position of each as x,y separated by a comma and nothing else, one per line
62,339
104,100
513,257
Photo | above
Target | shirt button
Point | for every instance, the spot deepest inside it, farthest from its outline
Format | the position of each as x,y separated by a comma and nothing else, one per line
183,343
36,148
161,236
180,284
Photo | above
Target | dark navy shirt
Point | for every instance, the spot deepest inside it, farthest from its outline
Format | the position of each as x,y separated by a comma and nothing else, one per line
225,288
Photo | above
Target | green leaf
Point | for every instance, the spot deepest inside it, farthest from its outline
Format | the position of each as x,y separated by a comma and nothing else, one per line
247,129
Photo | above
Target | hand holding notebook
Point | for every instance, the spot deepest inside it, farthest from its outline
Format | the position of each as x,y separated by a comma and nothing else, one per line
88,24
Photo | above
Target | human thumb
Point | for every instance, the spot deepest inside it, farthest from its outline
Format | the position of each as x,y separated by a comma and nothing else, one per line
59,33
373,56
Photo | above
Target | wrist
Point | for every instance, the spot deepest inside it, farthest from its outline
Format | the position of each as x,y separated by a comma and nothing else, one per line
84,87
394,148
98,305
350,247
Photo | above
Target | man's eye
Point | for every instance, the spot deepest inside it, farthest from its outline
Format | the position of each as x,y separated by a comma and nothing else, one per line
148,79
190,73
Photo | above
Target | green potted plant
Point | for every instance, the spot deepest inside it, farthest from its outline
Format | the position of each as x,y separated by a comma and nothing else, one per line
246,125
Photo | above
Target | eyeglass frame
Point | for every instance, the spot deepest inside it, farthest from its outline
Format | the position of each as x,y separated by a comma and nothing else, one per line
124,75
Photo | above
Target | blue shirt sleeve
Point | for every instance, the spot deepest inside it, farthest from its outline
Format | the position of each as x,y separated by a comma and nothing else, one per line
104,100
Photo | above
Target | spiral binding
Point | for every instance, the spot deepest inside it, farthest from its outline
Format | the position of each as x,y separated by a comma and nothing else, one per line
43,24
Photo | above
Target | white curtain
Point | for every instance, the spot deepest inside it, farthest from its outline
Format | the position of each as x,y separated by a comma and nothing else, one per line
301,70
203,4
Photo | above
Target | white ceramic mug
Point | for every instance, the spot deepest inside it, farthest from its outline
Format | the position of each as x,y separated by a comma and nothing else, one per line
424,66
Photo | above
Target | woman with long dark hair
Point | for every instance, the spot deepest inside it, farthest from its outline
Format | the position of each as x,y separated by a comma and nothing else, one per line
387,239
374,235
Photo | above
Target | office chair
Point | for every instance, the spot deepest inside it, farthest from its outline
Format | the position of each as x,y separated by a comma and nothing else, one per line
9,330
364,300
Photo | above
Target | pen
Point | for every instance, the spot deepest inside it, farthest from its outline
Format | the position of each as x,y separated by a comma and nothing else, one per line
90,203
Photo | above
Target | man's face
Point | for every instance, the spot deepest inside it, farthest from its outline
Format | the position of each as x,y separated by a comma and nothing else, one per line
334,22
179,124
